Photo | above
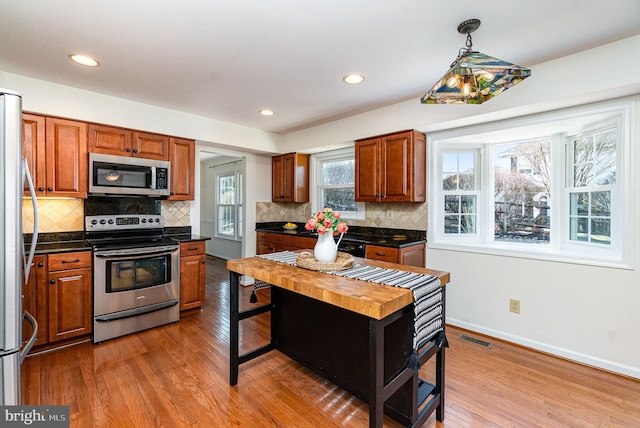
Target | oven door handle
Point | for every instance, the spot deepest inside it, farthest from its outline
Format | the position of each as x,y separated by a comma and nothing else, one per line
143,252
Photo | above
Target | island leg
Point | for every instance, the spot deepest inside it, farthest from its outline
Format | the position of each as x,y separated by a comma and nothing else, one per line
234,327
376,373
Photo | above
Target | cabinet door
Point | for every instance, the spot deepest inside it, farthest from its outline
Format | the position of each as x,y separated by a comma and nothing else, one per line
70,303
109,140
35,300
66,158
150,146
182,156
278,191
396,176
413,255
33,149
367,154
192,281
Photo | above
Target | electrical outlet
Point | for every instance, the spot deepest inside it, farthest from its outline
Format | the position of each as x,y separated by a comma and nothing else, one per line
389,214
514,306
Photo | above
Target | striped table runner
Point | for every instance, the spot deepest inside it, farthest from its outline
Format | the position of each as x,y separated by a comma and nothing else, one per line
427,297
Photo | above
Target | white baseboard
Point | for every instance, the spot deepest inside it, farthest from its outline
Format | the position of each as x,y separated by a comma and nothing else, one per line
568,354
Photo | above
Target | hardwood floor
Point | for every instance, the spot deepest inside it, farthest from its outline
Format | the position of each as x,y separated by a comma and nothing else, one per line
177,376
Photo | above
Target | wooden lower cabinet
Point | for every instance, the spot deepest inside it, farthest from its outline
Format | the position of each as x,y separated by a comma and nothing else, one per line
192,274
413,255
271,243
70,295
35,300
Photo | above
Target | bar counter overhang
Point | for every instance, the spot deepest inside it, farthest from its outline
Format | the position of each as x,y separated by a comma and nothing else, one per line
357,334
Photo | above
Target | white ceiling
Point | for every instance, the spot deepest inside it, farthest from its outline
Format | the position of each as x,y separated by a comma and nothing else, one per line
226,60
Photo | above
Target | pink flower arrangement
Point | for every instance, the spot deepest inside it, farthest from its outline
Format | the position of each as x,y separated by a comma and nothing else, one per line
325,221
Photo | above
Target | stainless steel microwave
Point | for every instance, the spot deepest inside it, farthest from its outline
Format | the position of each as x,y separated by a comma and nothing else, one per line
122,175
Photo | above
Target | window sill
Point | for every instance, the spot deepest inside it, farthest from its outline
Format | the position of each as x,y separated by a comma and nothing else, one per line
602,259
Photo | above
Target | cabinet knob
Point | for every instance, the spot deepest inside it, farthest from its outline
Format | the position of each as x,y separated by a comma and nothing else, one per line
53,281
40,189
50,189
70,261
135,150
40,264
128,150
382,195
171,193
202,261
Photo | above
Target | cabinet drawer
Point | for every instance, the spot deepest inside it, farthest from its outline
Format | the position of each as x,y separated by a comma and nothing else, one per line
192,248
385,254
301,243
66,261
272,238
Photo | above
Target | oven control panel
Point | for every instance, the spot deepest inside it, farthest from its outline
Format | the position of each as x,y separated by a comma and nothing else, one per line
95,223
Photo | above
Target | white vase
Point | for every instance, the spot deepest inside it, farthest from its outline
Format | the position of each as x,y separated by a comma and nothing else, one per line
326,249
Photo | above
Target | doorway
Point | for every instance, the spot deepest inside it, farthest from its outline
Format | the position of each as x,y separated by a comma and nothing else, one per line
222,204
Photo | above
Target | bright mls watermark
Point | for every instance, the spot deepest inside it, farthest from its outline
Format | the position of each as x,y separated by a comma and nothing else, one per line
34,416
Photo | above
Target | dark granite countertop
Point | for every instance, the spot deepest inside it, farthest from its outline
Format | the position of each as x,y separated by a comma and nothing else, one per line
61,247
396,238
188,237
49,243
183,234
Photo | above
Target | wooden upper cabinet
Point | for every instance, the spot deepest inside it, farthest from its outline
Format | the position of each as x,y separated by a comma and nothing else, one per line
109,140
391,168
182,154
65,160
33,149
290,178
150,146
112,140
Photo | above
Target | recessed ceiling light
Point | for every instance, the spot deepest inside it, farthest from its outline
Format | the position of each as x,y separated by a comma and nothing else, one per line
266,112
84,60
353,79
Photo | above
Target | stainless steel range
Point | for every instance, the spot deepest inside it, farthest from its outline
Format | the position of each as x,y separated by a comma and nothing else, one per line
136,274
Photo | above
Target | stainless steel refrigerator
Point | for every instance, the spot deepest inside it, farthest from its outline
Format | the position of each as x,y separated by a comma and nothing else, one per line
14,266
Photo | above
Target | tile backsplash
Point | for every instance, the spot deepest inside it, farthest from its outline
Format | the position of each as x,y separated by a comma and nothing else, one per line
55,215
404,215
67,215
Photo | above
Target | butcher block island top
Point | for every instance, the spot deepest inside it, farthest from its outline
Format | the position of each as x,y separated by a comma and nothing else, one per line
366,298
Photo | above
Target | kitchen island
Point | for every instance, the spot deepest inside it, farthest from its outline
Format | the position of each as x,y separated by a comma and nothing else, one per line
357,334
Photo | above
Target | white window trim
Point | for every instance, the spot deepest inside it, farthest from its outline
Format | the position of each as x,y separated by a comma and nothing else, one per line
239,206
314,192
560,249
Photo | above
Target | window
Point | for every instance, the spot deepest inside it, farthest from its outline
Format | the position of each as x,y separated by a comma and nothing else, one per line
229,205
333,183
549,186
459,186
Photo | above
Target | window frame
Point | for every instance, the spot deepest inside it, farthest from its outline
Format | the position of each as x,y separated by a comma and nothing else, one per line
566,124
317,159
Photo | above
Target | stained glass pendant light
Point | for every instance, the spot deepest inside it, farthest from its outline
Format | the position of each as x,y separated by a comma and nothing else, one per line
474,77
